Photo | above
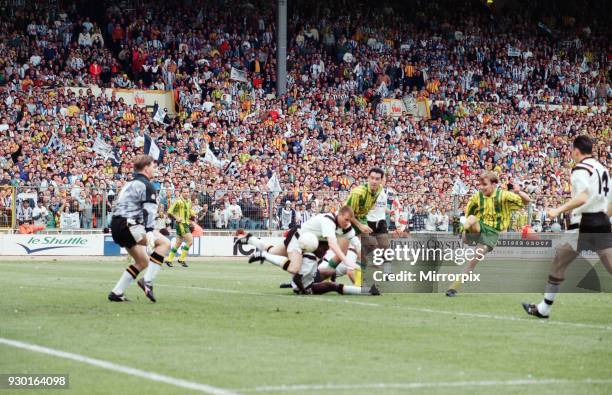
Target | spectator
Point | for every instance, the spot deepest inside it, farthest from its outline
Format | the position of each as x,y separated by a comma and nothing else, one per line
39,214
286,216
234,214
24,212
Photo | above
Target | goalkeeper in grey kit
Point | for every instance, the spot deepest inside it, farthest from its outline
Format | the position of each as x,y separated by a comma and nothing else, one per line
132,227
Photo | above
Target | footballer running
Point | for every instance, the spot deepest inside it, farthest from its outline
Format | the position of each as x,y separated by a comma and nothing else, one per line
182,213
488,213
591,208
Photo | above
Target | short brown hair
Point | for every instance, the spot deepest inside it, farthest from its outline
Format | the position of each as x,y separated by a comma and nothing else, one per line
345,210
142,161
491,176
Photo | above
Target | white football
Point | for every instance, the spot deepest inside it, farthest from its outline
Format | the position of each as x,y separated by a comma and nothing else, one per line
308,242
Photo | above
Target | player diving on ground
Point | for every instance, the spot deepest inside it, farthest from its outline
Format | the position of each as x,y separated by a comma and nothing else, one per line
301,257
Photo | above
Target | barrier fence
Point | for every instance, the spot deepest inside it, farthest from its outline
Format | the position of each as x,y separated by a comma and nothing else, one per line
72,208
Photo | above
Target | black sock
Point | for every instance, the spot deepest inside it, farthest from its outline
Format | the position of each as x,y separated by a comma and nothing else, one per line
325,287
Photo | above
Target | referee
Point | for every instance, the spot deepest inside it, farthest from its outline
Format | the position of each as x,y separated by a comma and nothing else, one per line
132,227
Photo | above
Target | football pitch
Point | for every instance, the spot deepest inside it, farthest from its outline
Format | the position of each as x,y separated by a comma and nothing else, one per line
225,327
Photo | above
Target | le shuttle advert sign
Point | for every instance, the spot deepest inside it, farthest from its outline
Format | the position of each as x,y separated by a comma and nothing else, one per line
52,245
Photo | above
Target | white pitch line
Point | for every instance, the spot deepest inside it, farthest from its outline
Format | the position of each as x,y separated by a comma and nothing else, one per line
204,388
417,309
419,385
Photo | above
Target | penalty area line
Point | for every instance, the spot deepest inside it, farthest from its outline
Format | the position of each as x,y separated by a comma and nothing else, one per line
420,385
204,388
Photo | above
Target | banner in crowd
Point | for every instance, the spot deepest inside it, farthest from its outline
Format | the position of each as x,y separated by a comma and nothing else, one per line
104,149
513,52
410,104
52,245
70,221
142,98
392,107
238,75
413,107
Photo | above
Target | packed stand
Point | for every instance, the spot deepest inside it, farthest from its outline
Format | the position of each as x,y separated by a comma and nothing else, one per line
322,136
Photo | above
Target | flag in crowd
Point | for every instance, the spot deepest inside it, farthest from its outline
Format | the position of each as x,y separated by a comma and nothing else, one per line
55,143
274,185
160,114
151,148
212,159
459,188
104,149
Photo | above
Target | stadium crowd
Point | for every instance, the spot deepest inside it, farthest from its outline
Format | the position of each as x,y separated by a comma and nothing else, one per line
502,90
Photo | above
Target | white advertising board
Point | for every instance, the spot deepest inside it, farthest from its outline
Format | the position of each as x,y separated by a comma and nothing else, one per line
52,245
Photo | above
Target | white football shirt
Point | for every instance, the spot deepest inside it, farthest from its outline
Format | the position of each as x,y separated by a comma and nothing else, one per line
591,176
325,227
379,211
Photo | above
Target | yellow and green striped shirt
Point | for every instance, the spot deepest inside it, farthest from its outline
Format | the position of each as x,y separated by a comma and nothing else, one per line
361,199
495,210
181,210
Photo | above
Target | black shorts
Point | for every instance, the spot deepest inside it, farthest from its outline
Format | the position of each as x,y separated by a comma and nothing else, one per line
319,252
121,232
595,232
378,227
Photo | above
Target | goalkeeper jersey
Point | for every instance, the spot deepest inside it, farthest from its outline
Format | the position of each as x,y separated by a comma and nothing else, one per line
495,210
361,200
181,210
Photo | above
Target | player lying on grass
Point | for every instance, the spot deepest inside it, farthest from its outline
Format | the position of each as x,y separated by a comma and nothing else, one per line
183,216
591,208
488,213
132,227
289,255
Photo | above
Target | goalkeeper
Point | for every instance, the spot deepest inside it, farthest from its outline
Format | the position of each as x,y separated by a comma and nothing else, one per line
182,214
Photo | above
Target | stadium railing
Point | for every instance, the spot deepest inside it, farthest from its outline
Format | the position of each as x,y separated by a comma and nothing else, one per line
62,207
68,208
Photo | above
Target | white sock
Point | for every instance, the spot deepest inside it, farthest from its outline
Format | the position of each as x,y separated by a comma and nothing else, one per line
351,259
257,243
341,270
151,272
550,293
544,308
351,290
277,260
123,283
387,269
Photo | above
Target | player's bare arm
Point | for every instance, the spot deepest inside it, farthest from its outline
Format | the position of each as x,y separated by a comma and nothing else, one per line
571,204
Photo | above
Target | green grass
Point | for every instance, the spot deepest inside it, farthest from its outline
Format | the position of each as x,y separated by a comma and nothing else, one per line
227,324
